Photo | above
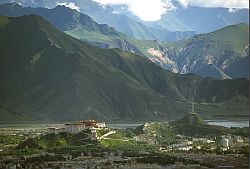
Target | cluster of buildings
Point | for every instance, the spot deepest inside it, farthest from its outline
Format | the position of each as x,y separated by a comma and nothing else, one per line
228,141
185,145
225,143
79,126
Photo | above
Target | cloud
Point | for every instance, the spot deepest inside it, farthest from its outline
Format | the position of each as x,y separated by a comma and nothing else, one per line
71,5
151,10
216,3
183,3
233,10
147,10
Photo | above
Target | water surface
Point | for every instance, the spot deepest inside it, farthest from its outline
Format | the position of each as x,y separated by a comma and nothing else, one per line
229,123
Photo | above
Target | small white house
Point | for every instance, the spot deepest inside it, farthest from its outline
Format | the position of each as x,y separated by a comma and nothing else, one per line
225,143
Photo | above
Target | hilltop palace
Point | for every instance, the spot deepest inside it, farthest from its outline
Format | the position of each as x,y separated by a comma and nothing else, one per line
78,127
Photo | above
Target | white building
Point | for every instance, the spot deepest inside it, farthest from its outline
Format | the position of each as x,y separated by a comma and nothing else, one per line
93,134
187,143
101,125
187,148
238,139
78,127
74,128
225,143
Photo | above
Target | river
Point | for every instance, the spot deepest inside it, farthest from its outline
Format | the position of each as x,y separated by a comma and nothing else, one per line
224,123
229,123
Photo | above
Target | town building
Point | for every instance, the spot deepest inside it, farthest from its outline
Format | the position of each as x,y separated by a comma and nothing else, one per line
93,135
225,143
55,130
101,125
238,139
74,128
78,127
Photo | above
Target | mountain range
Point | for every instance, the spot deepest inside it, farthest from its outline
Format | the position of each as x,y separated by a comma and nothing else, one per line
48,75
105,15
218,57
192,18
222,54
74,23
200,19
175,24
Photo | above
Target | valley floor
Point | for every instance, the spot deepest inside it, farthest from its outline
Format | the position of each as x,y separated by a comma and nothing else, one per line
121,146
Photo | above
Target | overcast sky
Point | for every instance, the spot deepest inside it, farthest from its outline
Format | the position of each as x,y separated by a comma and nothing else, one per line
151,10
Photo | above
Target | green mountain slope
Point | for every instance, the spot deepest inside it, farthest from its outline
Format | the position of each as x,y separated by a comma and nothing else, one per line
75,24
220,54
61,17
189,125
86,29
107,15
81,26
47,75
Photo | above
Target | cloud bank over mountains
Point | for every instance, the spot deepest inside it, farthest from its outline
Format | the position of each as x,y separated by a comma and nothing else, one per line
151,10
71,5
216,3
146,10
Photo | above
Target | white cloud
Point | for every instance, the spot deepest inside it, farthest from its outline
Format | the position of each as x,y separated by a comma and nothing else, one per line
184,3
151,10
115,12
233,10
71,5
147,10
216,3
